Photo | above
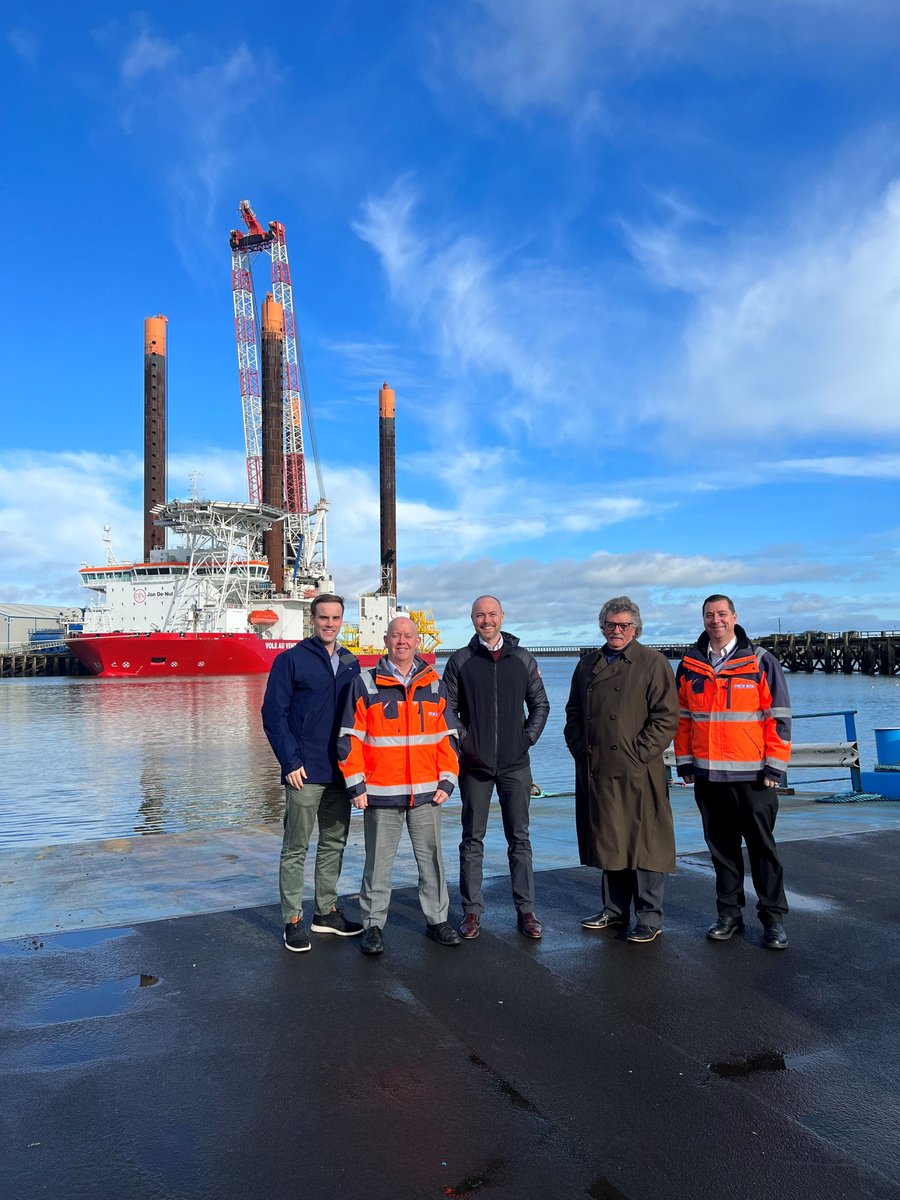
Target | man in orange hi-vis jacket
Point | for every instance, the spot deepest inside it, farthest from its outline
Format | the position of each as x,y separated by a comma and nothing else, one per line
397,752
733,743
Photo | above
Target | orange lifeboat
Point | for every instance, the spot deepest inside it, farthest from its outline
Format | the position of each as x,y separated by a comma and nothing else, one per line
263,618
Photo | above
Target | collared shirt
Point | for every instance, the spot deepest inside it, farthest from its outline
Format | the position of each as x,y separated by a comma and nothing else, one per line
494,649
395,670
717,657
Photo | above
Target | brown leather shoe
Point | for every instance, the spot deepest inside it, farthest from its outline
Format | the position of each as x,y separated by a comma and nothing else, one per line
529,925
471,926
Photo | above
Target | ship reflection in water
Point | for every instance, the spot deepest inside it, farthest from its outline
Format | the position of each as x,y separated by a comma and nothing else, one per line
88,759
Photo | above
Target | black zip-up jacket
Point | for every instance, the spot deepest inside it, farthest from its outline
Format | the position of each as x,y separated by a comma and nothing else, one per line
490,700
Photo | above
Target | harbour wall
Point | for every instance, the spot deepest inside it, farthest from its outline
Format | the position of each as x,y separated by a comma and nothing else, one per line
868,653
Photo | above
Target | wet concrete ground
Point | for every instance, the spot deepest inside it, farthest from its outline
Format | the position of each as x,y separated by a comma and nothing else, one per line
195,1058
132,880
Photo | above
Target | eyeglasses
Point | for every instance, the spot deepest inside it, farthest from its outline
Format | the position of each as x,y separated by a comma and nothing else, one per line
613,625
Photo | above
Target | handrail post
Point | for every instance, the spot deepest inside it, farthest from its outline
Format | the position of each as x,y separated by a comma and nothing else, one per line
850,726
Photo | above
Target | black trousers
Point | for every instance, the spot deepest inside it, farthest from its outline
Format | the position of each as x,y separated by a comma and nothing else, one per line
643,889
514,793
732,812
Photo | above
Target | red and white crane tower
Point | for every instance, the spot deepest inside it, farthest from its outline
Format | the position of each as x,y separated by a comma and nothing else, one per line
304,526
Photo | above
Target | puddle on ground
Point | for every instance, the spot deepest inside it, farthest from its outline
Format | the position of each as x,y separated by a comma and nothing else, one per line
766,1060
80,939
83,1004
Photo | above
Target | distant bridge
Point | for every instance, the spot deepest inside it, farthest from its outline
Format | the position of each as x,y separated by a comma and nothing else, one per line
866,652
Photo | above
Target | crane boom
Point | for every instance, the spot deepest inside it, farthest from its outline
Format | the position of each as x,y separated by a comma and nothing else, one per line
304,525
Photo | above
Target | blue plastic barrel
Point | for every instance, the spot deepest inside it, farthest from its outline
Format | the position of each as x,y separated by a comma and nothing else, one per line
887,747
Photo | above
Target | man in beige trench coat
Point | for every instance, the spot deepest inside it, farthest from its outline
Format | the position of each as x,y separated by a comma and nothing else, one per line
621,715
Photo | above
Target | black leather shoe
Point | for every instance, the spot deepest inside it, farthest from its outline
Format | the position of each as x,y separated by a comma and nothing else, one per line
371,941
603,920
644,933
471,926
444,934
774,937
725,928
529,925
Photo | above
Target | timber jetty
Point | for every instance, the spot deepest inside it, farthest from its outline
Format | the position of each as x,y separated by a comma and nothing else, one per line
22,663
863,652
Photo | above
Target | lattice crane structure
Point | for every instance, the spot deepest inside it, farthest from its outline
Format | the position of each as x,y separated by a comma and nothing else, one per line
304,525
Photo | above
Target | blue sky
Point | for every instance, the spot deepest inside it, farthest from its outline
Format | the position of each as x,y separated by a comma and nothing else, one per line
633,271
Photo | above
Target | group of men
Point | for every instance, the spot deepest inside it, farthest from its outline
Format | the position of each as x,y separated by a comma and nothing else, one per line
394,740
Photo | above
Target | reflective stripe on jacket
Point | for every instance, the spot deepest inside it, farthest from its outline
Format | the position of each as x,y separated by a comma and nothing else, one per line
397,742
734,724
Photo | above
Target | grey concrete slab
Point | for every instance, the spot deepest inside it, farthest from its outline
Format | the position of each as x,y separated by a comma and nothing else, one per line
194,1057
130,880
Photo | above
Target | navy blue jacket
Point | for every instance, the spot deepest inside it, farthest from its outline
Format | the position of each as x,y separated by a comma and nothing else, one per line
301,711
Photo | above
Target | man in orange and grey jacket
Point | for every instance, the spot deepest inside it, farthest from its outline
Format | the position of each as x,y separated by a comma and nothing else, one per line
733,743
397,752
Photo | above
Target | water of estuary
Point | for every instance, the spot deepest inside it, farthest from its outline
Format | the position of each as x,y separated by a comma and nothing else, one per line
84,759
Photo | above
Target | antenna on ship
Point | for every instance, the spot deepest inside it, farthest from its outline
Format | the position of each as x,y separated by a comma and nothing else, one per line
107,541
195,477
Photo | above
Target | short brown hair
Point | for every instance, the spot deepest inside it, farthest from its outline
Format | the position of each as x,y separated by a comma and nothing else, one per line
325,598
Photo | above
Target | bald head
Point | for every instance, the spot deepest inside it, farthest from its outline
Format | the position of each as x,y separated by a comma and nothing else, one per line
487,617
402,642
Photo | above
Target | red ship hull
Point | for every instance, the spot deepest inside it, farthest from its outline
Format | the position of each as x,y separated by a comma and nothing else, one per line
170,655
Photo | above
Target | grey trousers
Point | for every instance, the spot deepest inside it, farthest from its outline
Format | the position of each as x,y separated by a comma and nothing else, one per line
643,889
382,829
326,803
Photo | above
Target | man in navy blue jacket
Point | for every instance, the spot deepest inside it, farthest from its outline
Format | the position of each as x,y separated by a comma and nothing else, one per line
301,712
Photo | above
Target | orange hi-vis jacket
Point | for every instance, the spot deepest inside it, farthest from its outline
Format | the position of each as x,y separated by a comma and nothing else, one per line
397,742
735,722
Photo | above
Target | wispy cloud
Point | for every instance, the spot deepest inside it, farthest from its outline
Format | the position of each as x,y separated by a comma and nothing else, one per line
531,334
872,466
145,54
207,107
789,334
25,42
563,57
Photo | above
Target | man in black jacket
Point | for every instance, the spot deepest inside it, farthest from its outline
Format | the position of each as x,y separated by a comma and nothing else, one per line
492,683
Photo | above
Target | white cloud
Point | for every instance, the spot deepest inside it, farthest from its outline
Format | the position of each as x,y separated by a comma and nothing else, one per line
208,110
870,466
790,336
559,600
146,53
52,511
523,331
564,56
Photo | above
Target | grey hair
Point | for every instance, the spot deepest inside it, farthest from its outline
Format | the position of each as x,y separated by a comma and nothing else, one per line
622,604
